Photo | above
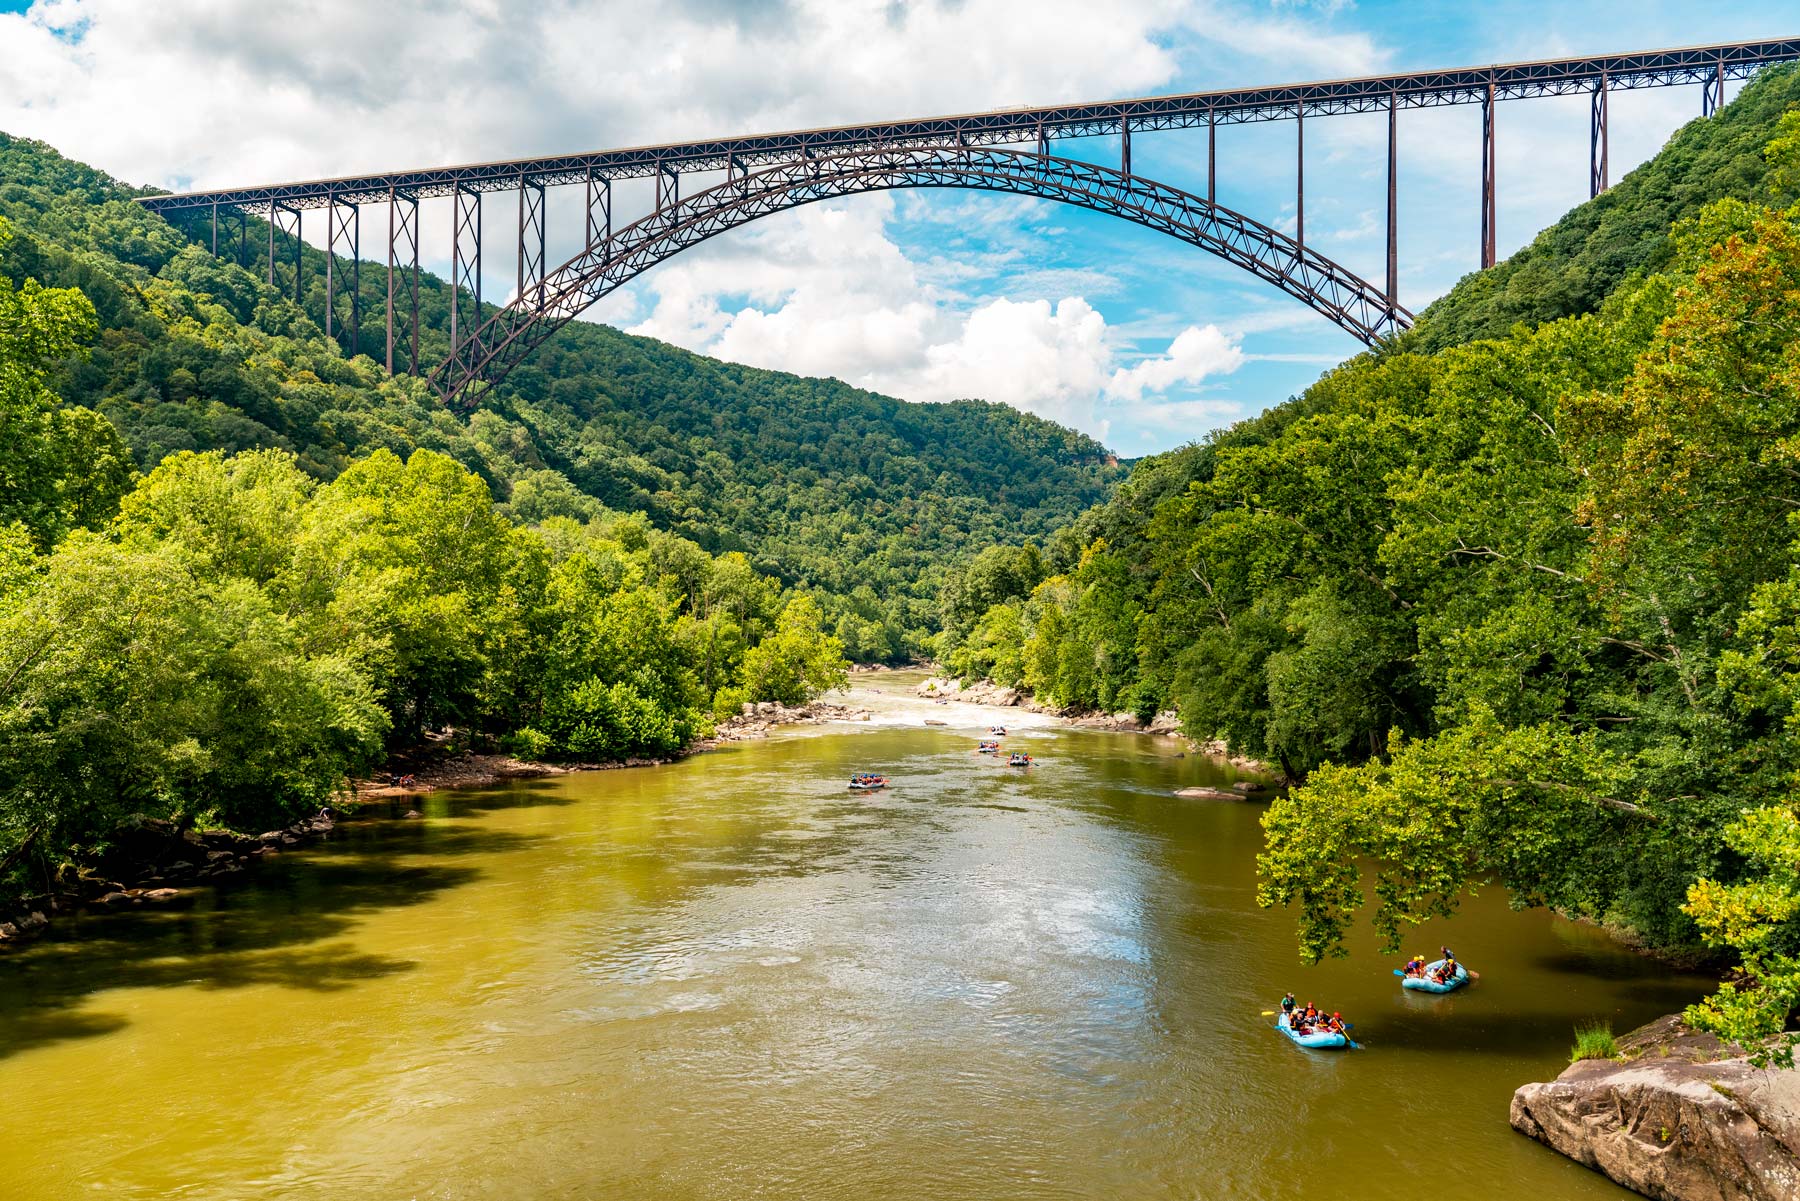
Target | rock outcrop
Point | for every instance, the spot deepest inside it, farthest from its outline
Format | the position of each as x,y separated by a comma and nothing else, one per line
1679,1117
756,720
982,692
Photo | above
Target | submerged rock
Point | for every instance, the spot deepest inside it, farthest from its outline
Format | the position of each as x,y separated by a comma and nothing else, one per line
1678,1117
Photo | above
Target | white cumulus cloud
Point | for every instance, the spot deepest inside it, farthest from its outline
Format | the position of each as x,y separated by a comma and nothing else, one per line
1196,352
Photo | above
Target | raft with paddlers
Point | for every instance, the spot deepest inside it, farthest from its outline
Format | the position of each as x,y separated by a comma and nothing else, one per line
1316,1038
1018,760
1438,977
988,748
998,731
867,783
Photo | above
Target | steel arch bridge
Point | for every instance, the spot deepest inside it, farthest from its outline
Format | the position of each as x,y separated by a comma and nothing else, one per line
513,332
770,173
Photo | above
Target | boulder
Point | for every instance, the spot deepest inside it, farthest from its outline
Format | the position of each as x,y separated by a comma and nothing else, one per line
1679,1117
32,922
162,896
1209,794
113,900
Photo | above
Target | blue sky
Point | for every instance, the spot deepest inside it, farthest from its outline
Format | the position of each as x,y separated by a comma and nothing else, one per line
1126,334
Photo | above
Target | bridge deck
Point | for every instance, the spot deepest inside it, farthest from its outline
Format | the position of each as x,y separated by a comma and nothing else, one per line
1425,89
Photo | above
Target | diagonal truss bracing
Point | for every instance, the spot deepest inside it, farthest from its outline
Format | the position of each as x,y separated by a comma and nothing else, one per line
505,339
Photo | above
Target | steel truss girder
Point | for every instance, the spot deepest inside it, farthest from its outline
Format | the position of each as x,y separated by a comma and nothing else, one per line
1707,65
507,337
344,238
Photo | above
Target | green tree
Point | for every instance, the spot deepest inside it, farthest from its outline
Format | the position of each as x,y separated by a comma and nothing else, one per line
798,661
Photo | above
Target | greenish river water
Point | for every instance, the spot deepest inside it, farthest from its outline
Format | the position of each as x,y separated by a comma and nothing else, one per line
732,978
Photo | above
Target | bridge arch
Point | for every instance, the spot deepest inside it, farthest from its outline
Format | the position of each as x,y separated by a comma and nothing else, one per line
505,339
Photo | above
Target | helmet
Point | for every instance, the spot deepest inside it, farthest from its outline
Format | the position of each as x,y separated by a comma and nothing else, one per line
1337,1015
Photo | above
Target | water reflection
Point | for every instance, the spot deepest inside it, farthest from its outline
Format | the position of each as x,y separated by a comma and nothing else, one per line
729,977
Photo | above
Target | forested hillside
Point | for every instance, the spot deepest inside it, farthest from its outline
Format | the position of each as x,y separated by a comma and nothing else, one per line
858,498
238,566
1515,599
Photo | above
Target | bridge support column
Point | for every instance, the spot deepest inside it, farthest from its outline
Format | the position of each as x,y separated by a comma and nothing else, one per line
403,270
668,187
215,229
599,208
465,268
1124,146
1393,204
1300,176
287,219
241,255
1712,96
343,235
531,238
1597,141
1487,177
1212,157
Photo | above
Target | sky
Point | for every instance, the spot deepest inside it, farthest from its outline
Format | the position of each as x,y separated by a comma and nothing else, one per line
1126,334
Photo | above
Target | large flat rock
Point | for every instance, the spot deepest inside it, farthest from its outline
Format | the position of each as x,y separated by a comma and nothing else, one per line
1678,1118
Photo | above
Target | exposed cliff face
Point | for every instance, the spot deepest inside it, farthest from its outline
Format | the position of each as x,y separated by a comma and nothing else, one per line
1678,1118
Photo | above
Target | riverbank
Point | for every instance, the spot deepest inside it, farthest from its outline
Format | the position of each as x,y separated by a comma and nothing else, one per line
152,862
1166,723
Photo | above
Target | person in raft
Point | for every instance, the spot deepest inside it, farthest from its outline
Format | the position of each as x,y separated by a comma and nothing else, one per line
1447,973
1287,1006
1415,966
1335,1023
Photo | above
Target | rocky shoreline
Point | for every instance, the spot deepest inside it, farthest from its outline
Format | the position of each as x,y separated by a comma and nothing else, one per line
152,862
759,720
1167,722
1678,1116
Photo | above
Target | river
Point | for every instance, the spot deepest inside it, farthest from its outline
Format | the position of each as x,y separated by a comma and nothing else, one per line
732,978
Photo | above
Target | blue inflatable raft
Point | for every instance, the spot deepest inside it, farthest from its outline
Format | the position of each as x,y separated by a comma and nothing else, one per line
1428,982
1321,1040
